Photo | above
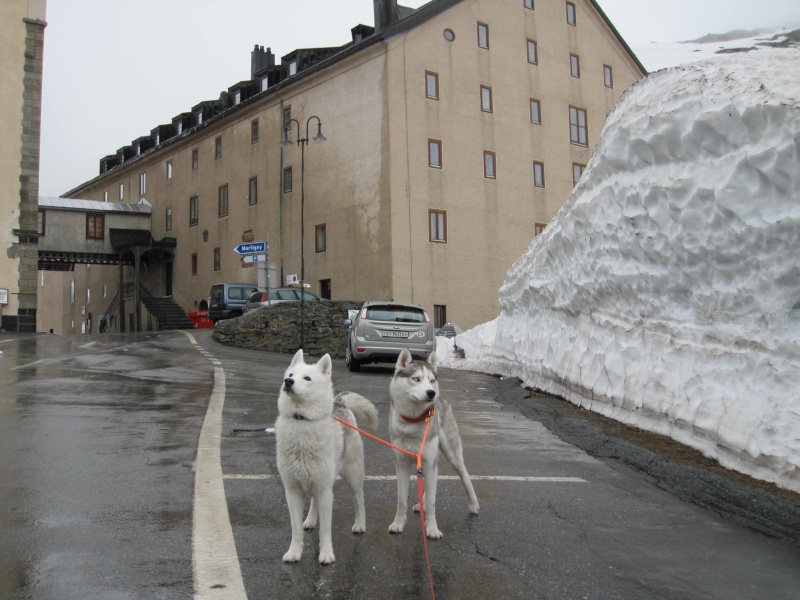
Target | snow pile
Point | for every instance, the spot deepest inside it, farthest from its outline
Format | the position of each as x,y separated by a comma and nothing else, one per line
666,292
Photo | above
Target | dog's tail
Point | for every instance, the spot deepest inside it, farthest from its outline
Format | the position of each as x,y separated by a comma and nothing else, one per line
363,410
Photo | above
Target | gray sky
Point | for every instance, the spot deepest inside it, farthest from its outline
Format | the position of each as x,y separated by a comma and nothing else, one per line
114,70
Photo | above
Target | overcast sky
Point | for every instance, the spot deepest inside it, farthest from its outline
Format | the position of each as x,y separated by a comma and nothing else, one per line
114,70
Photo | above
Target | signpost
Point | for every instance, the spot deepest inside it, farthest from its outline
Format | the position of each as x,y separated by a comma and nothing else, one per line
254,258
251,248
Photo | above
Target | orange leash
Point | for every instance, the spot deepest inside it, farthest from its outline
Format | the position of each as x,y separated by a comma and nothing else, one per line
420,476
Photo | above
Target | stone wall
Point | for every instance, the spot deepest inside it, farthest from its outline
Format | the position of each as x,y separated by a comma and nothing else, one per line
277,328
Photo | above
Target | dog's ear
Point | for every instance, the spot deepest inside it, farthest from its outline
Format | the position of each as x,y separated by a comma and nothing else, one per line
325,365
403,360
432,361
298,357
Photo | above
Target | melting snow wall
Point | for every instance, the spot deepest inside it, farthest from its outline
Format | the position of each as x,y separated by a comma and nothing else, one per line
666,292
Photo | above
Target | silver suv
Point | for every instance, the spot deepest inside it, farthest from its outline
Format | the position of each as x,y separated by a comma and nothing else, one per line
382,329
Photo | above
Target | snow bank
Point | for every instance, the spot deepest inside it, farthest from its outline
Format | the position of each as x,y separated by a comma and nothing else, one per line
666,292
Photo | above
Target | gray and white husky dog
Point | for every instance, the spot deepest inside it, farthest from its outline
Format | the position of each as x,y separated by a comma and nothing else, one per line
313,448
414,393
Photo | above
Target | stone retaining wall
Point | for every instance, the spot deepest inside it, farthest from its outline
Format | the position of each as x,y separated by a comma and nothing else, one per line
277,328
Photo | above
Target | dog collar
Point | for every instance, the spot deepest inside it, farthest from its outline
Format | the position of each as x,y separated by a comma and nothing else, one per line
428,414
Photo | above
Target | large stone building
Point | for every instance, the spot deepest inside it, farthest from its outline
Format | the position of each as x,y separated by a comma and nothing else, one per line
22,24
453,134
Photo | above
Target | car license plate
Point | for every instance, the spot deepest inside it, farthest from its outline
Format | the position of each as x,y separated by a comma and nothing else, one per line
394,334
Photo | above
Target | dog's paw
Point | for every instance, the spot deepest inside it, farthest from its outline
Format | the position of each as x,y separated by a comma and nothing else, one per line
474,507
309,524
326,558
359,528
293,555
434,533
416,507
396,527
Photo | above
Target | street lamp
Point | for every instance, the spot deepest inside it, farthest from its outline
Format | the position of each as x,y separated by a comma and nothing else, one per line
302,142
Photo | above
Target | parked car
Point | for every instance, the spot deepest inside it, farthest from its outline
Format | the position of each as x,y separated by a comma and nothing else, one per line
381,330
227,300
449,330
259,299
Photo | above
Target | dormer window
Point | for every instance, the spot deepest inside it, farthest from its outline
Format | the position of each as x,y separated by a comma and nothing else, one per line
180,127
199,116
237,97
138,149
292,68
158,139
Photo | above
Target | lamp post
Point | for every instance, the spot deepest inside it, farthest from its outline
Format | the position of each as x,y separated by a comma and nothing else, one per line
302,142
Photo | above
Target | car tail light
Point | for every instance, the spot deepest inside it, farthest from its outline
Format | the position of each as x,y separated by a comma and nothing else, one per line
427,318
363,316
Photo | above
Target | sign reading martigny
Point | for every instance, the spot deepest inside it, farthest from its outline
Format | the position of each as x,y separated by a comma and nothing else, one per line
251,248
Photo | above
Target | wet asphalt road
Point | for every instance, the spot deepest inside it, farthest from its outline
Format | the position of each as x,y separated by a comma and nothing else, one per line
99,436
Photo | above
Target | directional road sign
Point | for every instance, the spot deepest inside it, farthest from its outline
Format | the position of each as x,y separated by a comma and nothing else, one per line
254,258
251,248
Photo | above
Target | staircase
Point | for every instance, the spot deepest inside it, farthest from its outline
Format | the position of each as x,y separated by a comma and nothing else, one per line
166,311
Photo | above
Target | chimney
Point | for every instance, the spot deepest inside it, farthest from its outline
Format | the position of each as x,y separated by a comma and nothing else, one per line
259,58
386,14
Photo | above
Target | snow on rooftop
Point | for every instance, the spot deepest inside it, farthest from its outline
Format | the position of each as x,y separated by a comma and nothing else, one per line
666,291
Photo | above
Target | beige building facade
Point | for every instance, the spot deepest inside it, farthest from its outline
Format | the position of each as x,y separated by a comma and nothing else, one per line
22,24
454,133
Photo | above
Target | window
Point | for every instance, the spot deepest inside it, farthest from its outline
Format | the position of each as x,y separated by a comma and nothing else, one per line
252,197
320,238
287,180
528,4
169,169
194,264
88,295
438,225
608,77
489,164
432,85
538,174
217,259
218,148
325,288
577,126
142,184
168,219
193,211
254,131
577,172
42,222
571,13
195,159
287,115
121,192
536,111
533,56
223,201
105,290
95,225
486,99
538,229
72,291
435,153
105,195
293,68
483,35
439,315
574,65
237,97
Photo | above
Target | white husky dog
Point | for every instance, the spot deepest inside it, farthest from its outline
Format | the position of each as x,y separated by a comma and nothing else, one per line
313,448
414,393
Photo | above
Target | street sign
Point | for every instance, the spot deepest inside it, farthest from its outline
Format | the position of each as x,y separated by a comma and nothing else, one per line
254,258
251,248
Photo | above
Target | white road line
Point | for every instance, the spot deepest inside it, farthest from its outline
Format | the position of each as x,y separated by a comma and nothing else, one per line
217,574
25,366
441,477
